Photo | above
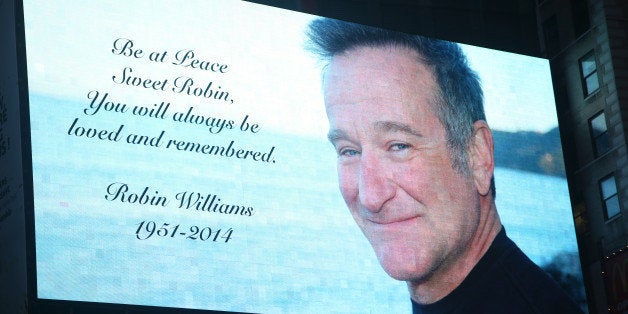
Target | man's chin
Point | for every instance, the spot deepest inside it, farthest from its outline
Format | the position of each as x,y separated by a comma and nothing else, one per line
403,267
408,275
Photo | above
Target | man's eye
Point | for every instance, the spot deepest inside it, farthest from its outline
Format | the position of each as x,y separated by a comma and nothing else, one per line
399,146
348,152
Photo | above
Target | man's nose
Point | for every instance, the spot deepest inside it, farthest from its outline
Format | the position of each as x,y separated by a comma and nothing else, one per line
375,186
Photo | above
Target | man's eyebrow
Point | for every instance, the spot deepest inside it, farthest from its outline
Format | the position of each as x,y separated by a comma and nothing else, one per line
336,134
392,126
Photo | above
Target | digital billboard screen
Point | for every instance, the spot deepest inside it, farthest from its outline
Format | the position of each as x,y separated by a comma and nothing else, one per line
180,158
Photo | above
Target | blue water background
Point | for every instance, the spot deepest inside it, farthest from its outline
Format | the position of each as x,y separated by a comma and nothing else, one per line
299,252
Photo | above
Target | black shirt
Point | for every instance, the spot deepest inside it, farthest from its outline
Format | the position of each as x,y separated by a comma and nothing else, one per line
504,281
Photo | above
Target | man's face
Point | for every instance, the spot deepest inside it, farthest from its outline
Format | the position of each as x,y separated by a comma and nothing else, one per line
394,167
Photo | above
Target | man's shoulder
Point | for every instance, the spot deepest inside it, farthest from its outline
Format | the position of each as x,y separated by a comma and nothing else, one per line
505,280
518,285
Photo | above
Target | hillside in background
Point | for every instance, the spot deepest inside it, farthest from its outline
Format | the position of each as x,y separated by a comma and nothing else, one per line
530,151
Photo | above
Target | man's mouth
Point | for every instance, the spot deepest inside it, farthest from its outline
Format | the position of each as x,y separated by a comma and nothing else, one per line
392,220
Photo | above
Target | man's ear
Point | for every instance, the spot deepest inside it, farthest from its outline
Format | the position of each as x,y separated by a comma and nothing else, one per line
482,162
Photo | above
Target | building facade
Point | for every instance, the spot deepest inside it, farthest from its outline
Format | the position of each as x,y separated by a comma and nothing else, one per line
585,41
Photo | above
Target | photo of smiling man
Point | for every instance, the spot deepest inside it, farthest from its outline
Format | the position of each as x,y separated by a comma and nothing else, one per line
415,168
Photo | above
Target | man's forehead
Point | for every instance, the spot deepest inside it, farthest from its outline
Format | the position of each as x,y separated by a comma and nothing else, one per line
366,65
386,73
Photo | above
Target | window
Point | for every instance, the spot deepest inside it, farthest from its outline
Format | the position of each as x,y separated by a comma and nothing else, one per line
550,32
599,134
580,16
580,218
588,71
608,188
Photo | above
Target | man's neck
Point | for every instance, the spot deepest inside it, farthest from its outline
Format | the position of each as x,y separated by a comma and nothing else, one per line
451,274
